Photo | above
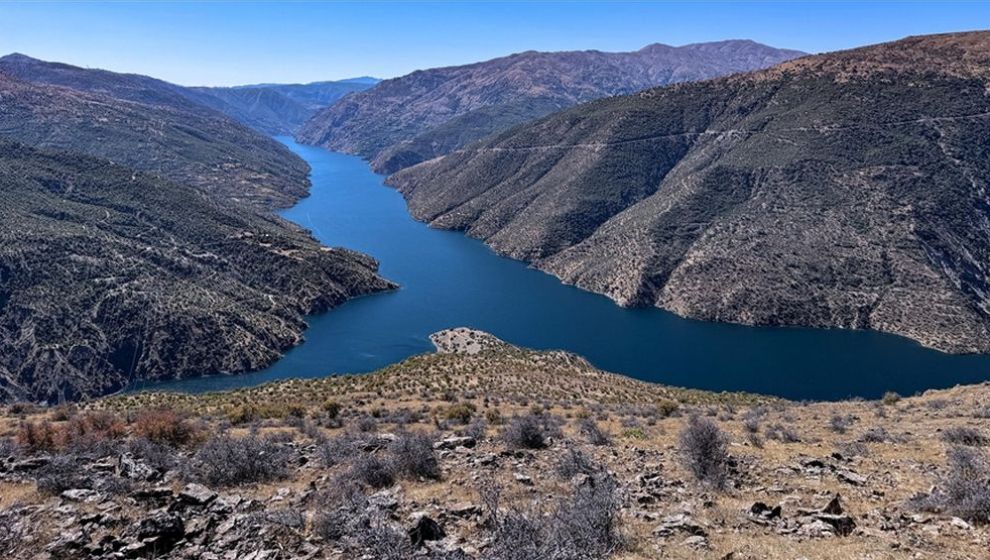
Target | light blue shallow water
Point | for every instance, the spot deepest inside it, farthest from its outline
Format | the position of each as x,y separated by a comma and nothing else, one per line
449,280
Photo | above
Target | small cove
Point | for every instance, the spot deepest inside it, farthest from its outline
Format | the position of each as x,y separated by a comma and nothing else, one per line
450,280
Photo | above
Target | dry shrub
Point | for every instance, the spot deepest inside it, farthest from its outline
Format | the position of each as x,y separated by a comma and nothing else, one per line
165,426
964,490
38,437
92,429
704,451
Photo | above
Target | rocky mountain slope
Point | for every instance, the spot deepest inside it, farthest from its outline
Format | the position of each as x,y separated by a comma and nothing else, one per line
406,120
277,109
109,275
449,456
841,190
147,124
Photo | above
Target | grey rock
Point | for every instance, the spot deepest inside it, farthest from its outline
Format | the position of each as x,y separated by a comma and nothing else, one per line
197,494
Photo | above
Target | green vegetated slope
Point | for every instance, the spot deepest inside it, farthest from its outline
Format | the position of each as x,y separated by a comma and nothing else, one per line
841,190
108,275
413,118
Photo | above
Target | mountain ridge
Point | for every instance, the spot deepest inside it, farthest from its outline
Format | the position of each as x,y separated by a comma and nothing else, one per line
409,119
837,190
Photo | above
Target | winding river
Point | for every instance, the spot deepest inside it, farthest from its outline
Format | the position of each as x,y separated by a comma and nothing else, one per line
450,280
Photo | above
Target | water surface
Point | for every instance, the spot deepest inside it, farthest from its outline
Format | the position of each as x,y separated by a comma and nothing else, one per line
450,280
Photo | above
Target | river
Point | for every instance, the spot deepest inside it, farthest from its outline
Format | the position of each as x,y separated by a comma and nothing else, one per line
450,280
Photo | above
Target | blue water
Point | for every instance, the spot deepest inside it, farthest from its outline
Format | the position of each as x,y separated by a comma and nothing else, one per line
449,280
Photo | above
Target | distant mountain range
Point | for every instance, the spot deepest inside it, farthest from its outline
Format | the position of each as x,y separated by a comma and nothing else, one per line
406,120
136,240
842,190
278,109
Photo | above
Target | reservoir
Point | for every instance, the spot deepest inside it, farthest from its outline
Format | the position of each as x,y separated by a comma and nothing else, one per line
450,280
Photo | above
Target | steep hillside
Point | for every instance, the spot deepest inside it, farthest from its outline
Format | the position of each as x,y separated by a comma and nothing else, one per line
406,120
147,124
109,275
277,109
842,190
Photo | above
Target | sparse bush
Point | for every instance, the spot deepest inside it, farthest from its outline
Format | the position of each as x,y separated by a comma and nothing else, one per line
853,449
62,473
382,542
367,424
890,398
243,414
341,511
412,456
493,416
530,431
840,424
635,433
964,491
461,412
164,426
63,412
964,435
93,433
12,535
9,448
372,471
583,526
876,434
751,420
335,450
227,461
939,404
158,456
782,433
595,435
332,409
574,462
667,407
38,437
476,429
704,451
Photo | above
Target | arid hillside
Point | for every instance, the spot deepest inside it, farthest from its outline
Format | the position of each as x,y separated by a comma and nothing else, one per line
487,451
840,190
416,117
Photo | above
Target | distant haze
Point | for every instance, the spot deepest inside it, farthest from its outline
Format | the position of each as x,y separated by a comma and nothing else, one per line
230,43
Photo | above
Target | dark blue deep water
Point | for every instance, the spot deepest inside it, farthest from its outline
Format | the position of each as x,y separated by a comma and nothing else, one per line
449,280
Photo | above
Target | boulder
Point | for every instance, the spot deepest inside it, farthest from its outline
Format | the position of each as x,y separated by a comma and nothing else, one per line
425,529
197,494
455,442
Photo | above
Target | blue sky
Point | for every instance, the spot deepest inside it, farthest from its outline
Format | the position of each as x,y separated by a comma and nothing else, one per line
227,43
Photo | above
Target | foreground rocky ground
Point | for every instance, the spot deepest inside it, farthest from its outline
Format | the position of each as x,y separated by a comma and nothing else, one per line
488,451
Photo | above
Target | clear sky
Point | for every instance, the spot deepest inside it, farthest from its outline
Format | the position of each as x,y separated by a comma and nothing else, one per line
227,43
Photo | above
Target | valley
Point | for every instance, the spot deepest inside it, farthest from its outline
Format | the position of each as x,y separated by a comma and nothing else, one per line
447,278
587,301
